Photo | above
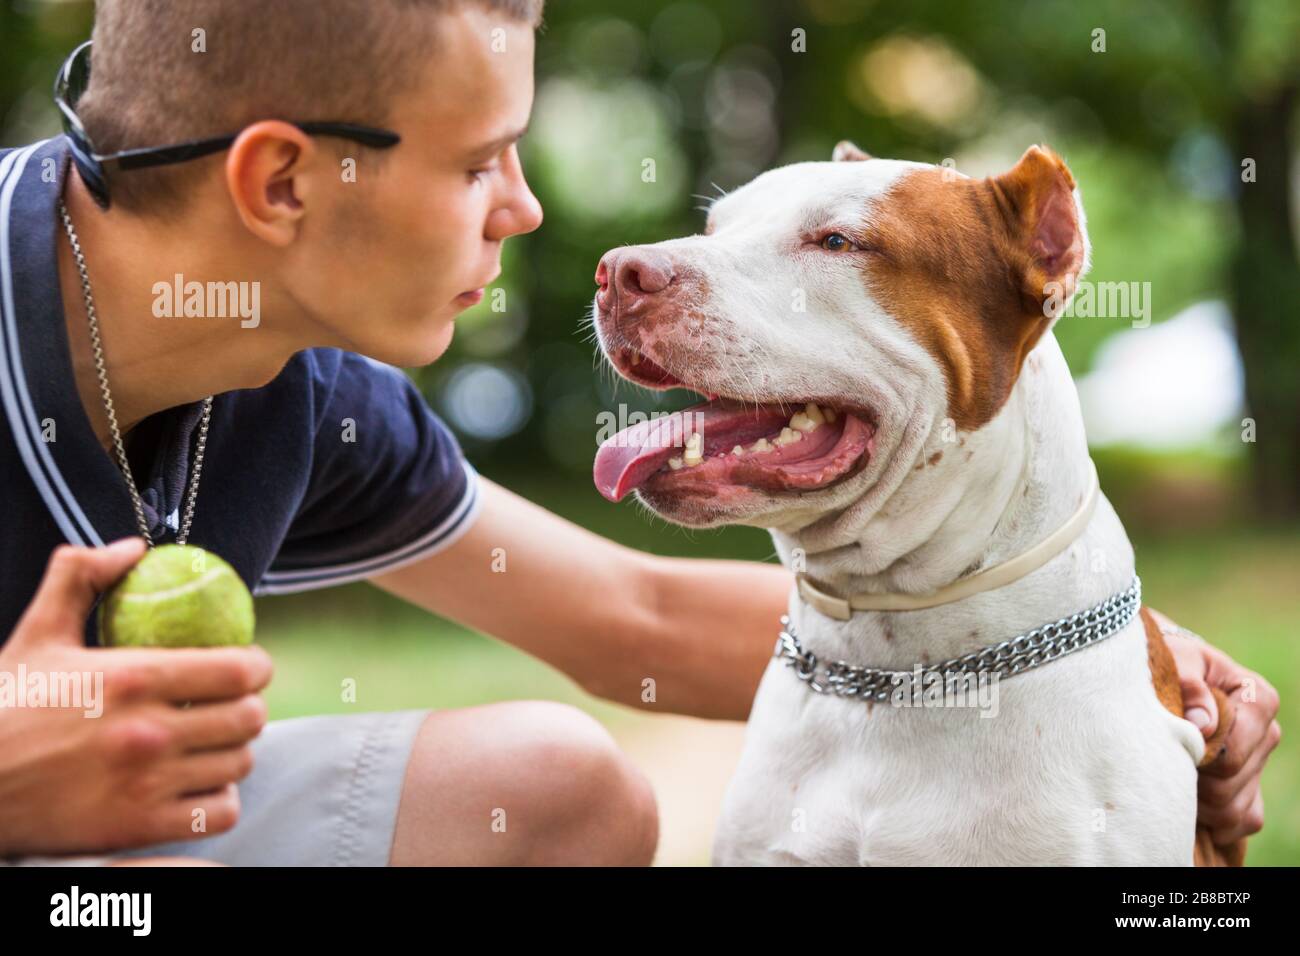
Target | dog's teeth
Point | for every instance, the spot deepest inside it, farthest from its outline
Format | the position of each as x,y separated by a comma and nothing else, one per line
636,358
760,446
737,450
694,449
788,436
814,413
674,463
801,422
829,413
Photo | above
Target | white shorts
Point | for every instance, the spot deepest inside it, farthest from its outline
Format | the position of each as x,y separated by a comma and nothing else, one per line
323,791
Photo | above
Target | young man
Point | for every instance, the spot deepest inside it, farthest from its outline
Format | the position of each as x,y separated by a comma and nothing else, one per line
352,271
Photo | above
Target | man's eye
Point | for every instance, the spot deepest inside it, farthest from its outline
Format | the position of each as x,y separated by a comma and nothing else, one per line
477,174
838,242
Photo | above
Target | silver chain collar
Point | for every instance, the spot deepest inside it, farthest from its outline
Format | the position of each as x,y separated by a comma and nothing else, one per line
183,532
1045,643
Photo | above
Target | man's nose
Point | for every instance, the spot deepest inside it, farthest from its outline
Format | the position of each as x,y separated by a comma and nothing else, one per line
522,215
630,275
520,211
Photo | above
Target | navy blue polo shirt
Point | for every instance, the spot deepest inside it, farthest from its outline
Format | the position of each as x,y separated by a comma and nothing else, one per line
334,471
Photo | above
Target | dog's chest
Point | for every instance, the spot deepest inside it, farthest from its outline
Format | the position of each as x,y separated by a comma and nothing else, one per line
1068,764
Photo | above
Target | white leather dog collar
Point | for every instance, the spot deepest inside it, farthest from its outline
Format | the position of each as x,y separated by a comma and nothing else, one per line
997,576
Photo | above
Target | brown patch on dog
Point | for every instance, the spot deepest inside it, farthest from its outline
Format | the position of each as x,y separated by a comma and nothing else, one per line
1164,676
964,265
934,459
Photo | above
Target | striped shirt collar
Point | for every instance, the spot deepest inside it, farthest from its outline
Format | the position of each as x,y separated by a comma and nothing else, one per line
81,485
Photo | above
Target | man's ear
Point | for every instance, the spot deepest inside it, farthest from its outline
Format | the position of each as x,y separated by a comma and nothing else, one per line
264,172
1047,238
846,152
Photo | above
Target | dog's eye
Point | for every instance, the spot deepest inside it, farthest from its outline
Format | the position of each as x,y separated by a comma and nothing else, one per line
838,242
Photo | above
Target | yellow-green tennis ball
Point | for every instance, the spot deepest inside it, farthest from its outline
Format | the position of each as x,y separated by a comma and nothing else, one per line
177,596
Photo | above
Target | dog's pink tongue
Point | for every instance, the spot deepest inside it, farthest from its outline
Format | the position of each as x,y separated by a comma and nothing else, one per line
627,459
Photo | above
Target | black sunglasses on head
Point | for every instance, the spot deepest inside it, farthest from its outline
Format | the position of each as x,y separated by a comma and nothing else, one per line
71,83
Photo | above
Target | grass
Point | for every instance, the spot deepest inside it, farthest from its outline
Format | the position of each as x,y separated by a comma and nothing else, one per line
1238,587
1241,591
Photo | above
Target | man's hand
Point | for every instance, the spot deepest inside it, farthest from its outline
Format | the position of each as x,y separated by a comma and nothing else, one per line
1230,801
135,774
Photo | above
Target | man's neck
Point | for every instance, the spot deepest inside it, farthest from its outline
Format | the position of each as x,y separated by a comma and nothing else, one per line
157,363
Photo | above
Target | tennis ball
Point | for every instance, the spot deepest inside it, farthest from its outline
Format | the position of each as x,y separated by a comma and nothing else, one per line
177,596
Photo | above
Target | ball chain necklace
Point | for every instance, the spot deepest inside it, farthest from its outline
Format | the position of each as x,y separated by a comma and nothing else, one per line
183,532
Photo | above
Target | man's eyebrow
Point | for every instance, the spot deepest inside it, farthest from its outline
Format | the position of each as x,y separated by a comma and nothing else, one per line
495,146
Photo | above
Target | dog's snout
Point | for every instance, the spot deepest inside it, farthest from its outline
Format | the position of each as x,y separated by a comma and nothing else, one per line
630,274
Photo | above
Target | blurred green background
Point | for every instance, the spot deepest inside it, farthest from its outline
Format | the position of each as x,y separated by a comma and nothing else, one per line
1179,121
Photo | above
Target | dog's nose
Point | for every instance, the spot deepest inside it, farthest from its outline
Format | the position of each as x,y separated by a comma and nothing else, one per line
632,273
643,272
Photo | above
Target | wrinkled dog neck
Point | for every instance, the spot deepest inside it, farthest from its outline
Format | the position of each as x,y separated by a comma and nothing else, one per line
968,501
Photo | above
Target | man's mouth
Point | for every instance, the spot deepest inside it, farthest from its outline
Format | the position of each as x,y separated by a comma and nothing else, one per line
472,297
730,444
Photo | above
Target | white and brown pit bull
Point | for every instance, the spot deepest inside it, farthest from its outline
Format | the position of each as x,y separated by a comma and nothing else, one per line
886,396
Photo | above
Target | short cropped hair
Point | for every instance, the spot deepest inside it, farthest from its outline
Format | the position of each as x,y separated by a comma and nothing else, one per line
300,60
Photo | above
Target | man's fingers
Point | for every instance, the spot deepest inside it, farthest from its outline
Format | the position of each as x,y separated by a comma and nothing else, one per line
219,725
1217,793
1234,808
197,815
209,770
1199,705
1193,665
74,577
1245,817
1249,732
178,675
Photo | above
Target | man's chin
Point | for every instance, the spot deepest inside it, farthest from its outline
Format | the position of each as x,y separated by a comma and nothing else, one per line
416,345
428,350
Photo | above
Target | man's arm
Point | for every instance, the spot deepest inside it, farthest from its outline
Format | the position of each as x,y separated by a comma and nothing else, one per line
607,615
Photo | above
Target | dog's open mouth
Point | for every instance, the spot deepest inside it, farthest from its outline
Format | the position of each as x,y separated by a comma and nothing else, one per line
728,444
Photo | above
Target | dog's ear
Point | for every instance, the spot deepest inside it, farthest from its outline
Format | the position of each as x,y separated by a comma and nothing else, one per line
1037,199
845,152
